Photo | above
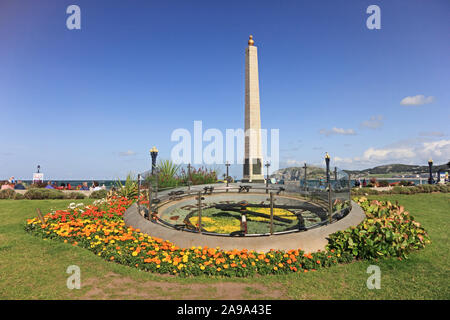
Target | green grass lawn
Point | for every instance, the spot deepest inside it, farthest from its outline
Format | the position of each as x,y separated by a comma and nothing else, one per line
33,268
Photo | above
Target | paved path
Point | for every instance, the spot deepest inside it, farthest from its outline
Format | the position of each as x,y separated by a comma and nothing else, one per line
309,241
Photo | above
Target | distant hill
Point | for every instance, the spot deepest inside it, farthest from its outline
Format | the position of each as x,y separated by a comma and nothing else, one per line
298,173
396,169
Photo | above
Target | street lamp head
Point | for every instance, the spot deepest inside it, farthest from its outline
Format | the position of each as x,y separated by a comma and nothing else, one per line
430,161
154,150
327,156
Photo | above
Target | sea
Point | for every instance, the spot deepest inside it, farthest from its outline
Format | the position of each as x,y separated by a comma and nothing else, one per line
110,183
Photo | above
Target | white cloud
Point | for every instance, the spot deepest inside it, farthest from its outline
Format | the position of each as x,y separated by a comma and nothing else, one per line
335,130
405,152
432,134
416,100
373,123
294,163
342,160
127,153
438,149
373,154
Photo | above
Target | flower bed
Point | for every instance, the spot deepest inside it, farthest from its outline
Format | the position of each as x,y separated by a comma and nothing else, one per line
101,229
388,230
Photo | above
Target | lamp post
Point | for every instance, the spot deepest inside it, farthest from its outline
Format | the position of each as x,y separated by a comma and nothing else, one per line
327,161
153,154
189,176
430,165
228,176
305,186
330,208
267,165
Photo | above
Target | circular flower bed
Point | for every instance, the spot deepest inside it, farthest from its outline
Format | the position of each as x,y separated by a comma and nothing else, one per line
101,229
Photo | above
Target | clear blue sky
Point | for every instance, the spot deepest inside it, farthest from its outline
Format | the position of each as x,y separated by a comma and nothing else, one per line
90,103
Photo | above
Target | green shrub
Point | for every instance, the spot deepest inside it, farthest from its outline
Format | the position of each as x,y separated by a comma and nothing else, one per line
53,194
34,193
19,196
39,194
388,230
74,195
364,191
99,194
421,188
397,189
7,194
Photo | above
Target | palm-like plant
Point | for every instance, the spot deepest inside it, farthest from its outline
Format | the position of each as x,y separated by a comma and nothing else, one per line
129,189
168,169
168,174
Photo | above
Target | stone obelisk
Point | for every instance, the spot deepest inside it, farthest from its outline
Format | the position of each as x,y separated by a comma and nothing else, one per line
253,162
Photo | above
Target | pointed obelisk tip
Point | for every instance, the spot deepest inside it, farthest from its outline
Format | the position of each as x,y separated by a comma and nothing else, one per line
250,41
